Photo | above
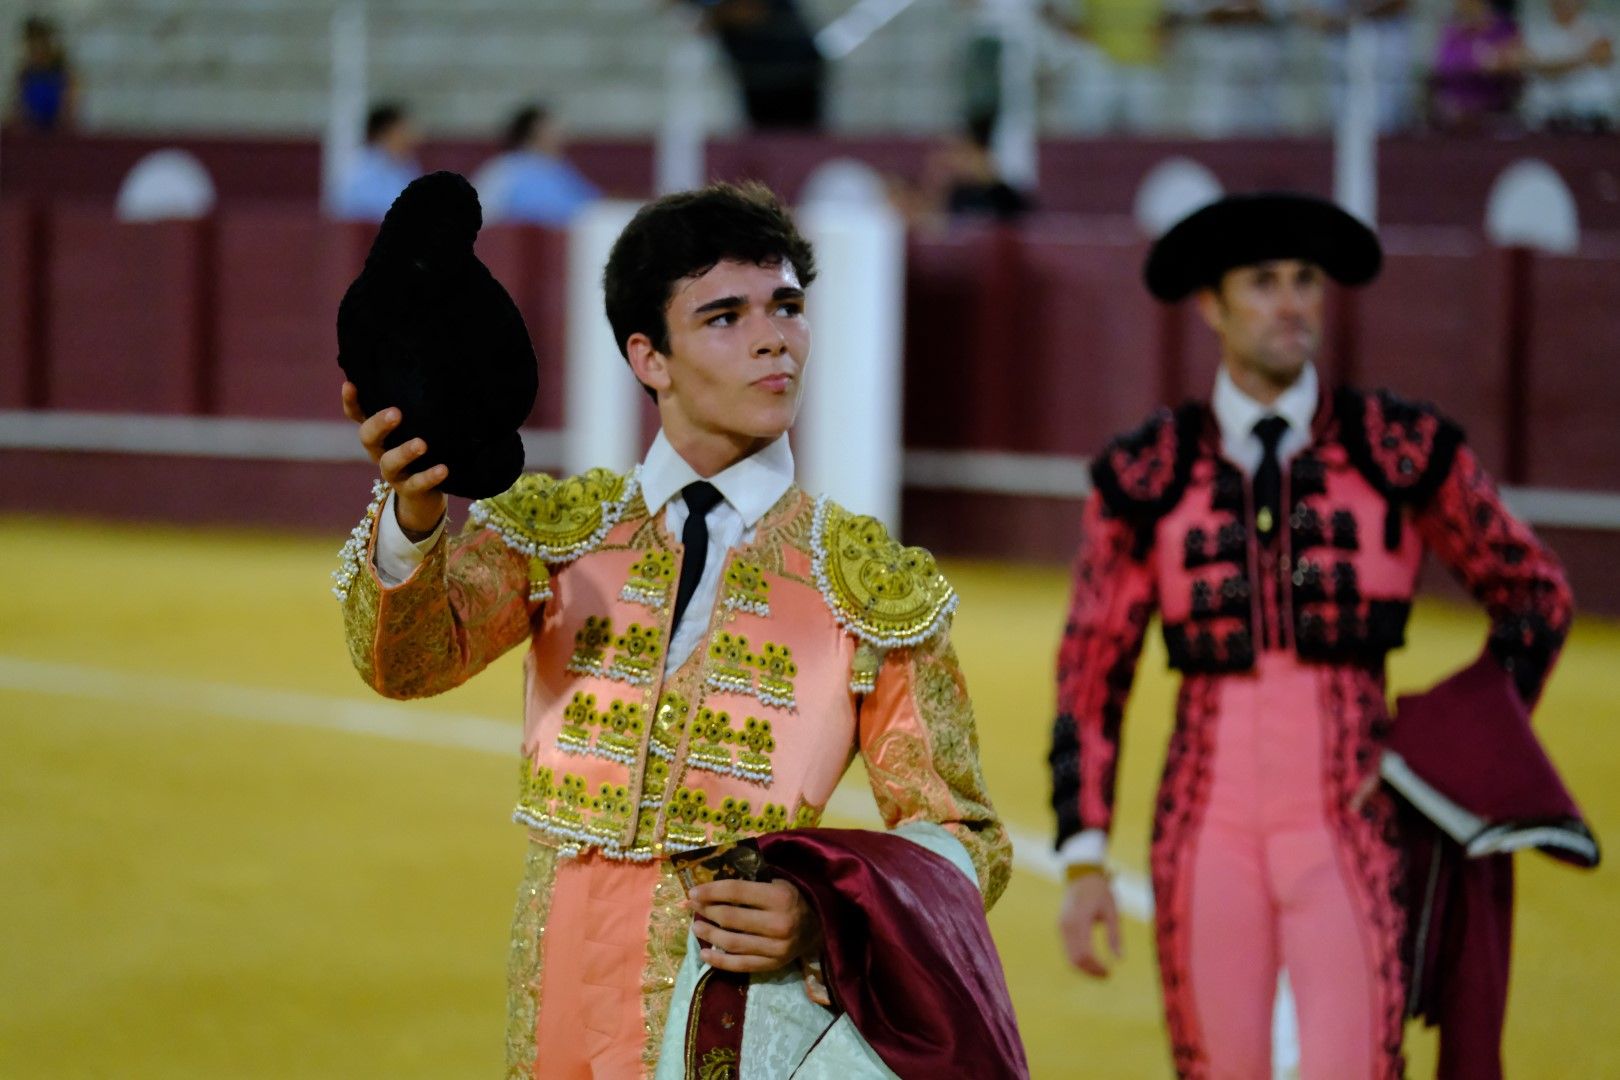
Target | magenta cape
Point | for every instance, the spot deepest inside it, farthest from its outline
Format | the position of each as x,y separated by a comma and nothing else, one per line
1469,741
908,953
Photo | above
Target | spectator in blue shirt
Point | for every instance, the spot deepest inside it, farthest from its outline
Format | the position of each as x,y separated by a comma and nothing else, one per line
382,168
44,91
530,181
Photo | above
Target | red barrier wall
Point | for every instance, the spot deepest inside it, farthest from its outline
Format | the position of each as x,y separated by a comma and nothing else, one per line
1433,326
91,167
1035,340
1423,179
125,313
21,293
1573,379
281,275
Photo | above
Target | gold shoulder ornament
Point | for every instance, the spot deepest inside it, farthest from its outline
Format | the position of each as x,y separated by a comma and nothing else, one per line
887,595
556,521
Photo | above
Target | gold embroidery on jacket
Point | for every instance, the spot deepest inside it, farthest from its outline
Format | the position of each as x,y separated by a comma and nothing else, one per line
352,555
639,655
937,776
693,822
746,588
563,808
719,747
360,624
559,520
524,961
885,594
650,580
617,730
578,717
767,675
566,810
730,668
776,674
864,670
666,948
442,626
539,579
669,723
591,642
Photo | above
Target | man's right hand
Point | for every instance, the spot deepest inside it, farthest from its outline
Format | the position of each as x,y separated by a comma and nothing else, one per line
418,502
1087,901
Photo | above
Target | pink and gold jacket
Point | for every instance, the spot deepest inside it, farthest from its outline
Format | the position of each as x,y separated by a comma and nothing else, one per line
827,639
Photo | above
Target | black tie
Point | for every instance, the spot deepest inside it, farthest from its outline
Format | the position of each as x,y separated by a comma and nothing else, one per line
700,497
1268,477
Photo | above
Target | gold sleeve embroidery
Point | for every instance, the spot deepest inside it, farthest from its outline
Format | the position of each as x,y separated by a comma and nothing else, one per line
922,755
466,604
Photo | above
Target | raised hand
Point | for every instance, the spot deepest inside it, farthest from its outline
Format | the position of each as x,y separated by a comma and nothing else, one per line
418,503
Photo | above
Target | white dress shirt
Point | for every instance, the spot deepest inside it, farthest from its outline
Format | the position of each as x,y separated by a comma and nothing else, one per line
749,488
1236,413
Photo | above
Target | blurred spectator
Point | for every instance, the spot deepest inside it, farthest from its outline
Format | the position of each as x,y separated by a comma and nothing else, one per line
961,180
1569,58
531,181
383,166
44,92
1394,64
1113,50
774,58
992,23
1476,78
1232,56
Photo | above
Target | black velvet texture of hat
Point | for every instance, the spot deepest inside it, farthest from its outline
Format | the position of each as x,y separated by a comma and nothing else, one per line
428,330
1242,230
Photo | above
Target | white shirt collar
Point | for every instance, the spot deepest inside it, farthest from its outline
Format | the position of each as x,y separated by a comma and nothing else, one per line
752,486
1237,412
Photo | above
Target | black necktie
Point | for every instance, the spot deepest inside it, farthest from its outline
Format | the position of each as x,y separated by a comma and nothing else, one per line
700,497
1268,477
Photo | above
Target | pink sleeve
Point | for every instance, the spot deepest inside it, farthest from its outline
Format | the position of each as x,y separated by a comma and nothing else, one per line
1506,567
1112,603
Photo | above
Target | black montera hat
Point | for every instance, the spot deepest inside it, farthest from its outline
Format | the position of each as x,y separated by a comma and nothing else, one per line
1241,230
427,329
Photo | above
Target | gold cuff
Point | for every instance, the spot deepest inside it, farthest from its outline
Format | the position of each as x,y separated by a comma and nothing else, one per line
1077,871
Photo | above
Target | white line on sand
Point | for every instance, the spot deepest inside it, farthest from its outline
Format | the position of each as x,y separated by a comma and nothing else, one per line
391,720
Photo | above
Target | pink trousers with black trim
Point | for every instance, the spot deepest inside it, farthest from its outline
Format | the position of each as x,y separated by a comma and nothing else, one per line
1260,864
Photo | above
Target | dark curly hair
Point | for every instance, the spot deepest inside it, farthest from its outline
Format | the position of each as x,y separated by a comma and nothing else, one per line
687,234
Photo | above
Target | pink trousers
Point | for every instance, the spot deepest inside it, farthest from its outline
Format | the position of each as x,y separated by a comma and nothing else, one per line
1260,865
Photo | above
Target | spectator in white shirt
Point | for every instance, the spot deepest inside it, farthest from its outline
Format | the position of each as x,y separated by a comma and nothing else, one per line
1569,59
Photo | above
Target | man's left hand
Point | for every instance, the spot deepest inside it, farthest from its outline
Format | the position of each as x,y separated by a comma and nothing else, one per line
753,926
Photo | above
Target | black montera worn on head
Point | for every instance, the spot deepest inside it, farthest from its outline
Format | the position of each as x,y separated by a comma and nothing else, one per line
1243,230
428,330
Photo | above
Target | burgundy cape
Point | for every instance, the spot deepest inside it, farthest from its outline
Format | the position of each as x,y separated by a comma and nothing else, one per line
908,953
1469,740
